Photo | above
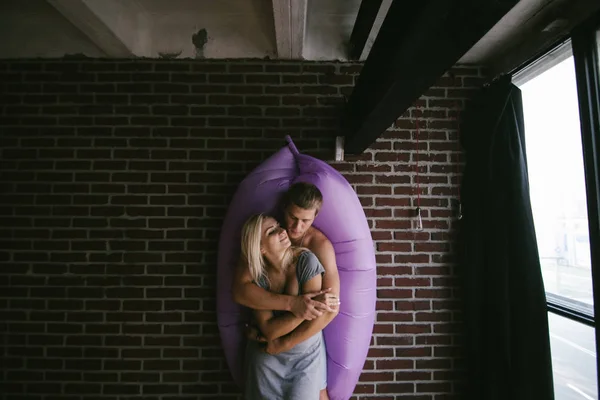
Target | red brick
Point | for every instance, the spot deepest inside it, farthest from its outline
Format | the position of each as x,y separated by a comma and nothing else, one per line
433,364
412,352
298,100
411,282
360,178
384,282
373,168
377,376
383,329
394,293
435,340
383,259
412,305
395,363
400,247
432,293
384,305
381,156
436,387
376,352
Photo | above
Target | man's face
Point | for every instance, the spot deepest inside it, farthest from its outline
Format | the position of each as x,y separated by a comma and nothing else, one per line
298,220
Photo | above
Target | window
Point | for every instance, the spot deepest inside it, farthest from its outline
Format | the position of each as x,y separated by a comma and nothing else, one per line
573,347
557,178
561,109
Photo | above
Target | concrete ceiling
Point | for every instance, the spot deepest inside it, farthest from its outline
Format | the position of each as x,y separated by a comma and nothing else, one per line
277,29
528,28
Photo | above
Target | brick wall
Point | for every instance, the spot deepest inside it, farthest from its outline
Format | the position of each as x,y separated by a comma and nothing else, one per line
115,177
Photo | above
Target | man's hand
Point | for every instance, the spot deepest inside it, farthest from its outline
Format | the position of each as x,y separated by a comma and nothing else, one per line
329,299
305,307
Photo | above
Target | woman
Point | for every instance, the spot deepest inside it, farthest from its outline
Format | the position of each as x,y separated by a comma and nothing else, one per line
299,373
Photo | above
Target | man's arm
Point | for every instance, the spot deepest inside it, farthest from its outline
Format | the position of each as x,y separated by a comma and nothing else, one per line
326,254
275,327
250,295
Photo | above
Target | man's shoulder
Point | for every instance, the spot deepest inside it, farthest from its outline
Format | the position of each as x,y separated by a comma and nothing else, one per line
323,249
319,241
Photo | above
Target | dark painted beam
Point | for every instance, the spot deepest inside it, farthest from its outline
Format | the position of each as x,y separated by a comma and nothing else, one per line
417,43
362,27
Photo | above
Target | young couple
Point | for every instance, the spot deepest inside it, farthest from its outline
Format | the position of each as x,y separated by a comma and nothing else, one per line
289,278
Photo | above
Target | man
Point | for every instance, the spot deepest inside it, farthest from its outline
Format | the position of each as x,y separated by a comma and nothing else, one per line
301,204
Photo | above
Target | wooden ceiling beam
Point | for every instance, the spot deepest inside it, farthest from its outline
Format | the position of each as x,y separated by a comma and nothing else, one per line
417,43
290,27
367,13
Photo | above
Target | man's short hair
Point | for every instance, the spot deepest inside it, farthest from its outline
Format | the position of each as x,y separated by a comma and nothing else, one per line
304,195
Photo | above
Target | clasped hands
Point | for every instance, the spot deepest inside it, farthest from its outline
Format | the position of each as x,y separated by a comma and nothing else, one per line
307,306
312,305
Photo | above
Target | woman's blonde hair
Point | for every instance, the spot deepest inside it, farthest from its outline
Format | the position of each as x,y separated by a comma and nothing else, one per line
251,237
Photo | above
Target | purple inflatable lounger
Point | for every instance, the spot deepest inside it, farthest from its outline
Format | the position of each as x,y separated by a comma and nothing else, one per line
343,221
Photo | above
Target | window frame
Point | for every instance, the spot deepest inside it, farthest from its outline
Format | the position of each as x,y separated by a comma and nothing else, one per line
587,72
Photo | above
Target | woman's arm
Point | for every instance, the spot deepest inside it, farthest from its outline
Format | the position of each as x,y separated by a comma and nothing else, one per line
272,327
250,295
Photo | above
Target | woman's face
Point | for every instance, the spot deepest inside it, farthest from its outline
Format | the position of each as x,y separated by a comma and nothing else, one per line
274,239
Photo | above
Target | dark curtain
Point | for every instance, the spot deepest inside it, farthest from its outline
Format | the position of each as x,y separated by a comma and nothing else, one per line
506,340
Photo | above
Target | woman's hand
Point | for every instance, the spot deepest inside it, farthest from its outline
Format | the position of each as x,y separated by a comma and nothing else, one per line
253,333
272,347
275,346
